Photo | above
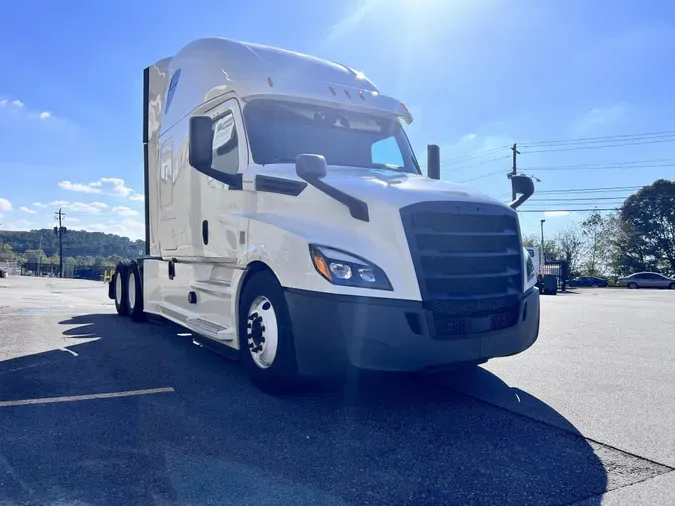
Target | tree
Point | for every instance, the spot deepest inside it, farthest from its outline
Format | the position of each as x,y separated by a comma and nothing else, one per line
531,240
35,255
649,218
6,253
596,233
571,242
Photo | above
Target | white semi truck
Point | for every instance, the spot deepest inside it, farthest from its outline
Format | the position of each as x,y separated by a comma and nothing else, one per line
288,222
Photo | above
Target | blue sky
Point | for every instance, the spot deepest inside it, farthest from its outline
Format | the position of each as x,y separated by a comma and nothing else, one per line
476,75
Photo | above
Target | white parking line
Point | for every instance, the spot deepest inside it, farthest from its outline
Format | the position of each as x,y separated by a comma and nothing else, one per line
73,398
70,351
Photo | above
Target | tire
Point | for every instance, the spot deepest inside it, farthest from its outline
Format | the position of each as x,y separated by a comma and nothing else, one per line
135,293
121,296
671,286
632,286
272,369
595,285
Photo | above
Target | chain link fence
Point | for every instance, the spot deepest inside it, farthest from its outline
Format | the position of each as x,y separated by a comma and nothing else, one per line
69,271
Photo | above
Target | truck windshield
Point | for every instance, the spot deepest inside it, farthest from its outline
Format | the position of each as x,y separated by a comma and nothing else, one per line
279,131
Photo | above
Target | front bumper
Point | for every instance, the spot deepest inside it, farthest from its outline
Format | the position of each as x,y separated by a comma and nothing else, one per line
332,332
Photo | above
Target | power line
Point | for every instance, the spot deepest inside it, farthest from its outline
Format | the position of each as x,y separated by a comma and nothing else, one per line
476,154
567,168
601,147
481,163
484,175
605,138
470,156
588,190
566,210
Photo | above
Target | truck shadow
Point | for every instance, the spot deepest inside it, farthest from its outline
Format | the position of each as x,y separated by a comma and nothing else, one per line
375,439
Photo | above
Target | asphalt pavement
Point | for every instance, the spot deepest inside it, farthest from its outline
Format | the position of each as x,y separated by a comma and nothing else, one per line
95,409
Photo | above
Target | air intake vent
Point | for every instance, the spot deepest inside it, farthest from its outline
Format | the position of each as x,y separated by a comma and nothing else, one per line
468,260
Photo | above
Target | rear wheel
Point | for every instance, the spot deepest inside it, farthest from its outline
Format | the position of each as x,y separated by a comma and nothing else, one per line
265,335
671,286
121,293
135,293
632,286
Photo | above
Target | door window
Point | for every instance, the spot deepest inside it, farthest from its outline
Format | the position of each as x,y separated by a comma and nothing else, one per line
225,144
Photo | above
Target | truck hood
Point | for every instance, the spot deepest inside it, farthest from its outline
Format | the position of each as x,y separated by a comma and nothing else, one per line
399,189
388,187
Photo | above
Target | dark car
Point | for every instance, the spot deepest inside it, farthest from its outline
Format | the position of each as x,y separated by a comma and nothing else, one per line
587,281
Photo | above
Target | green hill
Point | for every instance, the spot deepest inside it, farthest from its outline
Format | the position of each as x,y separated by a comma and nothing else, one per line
86,247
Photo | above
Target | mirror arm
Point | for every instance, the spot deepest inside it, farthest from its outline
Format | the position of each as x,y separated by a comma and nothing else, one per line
233,181
357,208
519,201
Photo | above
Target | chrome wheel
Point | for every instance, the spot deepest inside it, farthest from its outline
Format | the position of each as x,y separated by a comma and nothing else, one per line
118,288
262,333
131,290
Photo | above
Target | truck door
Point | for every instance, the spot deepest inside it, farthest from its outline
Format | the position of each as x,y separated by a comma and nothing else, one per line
223,229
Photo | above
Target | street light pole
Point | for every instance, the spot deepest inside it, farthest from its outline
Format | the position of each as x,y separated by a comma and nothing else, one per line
543,257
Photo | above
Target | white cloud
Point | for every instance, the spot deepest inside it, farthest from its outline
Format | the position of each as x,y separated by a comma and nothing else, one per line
126,228
106,185
117,186
467,138
137,197
125,211
556,214
3,103
5,205
45,115
81,207
600,117
78,187
347,24
17,103
71,219
26,210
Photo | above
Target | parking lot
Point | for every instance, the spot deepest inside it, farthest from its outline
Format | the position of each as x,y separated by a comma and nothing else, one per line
95,409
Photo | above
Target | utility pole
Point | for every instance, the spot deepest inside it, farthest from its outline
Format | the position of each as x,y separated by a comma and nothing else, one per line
514,148
543,257
60,230
39,257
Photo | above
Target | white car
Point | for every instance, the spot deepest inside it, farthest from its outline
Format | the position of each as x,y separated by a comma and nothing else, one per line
647,280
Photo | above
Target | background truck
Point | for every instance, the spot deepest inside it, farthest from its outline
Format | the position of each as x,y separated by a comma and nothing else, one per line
288,223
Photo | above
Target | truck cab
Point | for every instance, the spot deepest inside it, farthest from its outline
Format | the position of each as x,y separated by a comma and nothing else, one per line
288,220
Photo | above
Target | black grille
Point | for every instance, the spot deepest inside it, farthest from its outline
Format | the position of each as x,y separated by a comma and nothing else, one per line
468,260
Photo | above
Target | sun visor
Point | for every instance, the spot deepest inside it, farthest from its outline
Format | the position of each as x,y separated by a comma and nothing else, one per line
348,97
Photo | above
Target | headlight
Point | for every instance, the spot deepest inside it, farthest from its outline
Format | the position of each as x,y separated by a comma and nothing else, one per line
529,264
344,269
530,274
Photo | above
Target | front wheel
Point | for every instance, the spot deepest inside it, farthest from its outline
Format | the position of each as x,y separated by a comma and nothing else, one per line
135,293
121,293
266,342
632,286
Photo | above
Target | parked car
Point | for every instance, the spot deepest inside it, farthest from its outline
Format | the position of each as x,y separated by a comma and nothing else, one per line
647,280
587,281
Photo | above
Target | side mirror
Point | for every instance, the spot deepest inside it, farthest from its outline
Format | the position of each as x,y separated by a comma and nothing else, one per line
433,161
310,166
201,142
523,186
